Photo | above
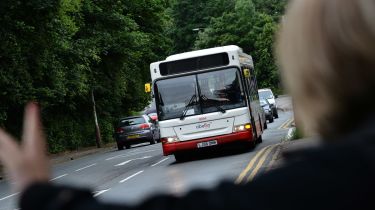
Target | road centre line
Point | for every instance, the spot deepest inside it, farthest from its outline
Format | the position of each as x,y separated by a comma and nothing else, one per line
61,176
100,192
123,163
80,169
126,179
250,165
130,154
159,162
128,161
260,163
9,196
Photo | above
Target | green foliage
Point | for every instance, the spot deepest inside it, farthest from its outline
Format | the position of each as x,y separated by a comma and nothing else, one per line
267,71
188,15
273,8
57,51
297,134
250,25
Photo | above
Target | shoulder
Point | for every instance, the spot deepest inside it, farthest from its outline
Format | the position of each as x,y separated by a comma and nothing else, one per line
338,175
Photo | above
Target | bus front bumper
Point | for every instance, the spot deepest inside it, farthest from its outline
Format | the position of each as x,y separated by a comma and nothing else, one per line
182,146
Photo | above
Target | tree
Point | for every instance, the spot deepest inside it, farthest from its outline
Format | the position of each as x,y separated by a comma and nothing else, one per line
273,8
194,14
251,30
57,51
230,28
266,69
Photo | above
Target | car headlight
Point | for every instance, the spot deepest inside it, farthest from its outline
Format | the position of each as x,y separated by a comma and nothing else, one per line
170,139
240,128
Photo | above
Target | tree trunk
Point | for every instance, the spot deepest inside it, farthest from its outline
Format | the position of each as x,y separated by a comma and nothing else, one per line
97,129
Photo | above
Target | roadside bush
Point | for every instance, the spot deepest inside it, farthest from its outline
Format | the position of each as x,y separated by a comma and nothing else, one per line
65,133
296,135
106,129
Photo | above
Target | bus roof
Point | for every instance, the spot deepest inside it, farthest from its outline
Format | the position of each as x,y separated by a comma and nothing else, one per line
198,53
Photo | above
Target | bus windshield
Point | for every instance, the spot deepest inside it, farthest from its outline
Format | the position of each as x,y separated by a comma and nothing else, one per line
216,90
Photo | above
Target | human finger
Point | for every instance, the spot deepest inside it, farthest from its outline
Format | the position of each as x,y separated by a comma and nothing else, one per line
10,152
33,137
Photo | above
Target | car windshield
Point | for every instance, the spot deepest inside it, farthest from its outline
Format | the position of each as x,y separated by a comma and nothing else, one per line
266,94
263,102
132,121
217,90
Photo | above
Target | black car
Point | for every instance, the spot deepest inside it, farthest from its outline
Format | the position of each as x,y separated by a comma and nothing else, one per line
267,110
135,130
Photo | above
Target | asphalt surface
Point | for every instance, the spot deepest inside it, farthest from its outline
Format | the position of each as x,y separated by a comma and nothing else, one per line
129,176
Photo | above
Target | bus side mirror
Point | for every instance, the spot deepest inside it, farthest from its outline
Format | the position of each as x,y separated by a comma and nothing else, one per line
246,73
148,88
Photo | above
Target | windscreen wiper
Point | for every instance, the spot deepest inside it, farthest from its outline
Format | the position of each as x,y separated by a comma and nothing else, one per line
204,98
191,102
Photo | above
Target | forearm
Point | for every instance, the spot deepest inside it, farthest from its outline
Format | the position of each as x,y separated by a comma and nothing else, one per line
44,196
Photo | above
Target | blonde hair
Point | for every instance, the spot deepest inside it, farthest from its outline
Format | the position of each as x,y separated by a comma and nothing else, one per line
326,49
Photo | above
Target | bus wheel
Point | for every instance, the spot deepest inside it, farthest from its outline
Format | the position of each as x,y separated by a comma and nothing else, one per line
180,157
252,144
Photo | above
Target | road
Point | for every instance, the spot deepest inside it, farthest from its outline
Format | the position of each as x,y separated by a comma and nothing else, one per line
129,176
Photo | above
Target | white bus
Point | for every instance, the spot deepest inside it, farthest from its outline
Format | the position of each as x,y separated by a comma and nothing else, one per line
206,98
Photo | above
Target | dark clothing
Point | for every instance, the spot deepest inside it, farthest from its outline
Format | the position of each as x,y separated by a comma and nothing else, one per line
337,175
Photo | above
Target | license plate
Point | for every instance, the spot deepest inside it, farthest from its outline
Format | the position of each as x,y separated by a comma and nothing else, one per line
133,136
207,144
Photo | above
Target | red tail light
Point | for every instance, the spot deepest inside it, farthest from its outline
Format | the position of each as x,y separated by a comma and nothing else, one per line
144,126
120,130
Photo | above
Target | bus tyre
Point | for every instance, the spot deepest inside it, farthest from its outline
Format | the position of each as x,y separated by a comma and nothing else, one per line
179,157
251,145
120,146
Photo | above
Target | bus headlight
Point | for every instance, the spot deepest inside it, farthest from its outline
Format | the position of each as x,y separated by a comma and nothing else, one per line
170,139
240,128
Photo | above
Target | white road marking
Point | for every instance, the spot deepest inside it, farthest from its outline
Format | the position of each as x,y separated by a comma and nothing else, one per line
160,162
126,179
123,163
130,154
86,167
6,197
97,193
128,161
59,177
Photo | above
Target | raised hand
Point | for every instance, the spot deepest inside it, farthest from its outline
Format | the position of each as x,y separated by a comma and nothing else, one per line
27,162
